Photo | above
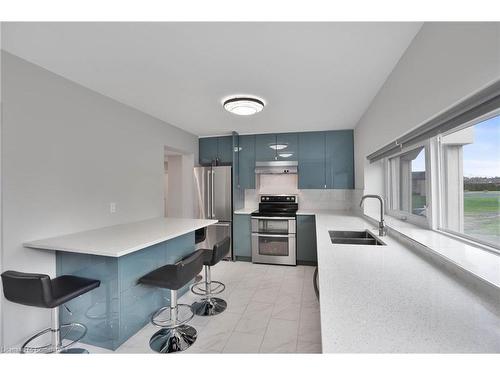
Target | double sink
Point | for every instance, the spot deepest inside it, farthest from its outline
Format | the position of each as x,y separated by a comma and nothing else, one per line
354,237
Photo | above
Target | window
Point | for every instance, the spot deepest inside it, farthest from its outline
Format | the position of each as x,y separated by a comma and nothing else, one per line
470,181
408,184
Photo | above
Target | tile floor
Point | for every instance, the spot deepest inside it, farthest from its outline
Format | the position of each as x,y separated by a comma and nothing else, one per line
271,309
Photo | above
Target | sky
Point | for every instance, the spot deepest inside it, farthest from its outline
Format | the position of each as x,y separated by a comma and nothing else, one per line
482,158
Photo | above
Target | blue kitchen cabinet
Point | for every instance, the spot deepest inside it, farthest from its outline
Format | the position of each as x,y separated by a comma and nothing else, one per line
306,240
246,159
312,163
242,237
340,159
265,145
225,150
216,150
207,150
290,152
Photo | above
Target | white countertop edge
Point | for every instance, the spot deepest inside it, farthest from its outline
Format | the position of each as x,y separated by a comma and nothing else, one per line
39,244
300,212
244,211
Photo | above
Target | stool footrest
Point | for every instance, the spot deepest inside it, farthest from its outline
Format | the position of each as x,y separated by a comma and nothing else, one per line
51,348
216,287
168,323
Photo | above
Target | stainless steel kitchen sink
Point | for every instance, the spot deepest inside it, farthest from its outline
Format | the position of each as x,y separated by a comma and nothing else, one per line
354,237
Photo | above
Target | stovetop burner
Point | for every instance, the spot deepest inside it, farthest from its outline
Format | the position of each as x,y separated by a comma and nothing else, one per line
277,206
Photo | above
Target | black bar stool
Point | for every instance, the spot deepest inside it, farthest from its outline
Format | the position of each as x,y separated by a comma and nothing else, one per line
210,305
39,290
175,335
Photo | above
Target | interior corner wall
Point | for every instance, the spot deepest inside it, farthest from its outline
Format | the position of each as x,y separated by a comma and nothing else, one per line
67,153
446,62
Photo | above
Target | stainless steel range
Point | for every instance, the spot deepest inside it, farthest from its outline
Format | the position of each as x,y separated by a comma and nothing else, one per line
274,230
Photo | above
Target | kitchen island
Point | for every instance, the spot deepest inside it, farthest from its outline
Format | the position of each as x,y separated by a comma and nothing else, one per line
118,256
394,298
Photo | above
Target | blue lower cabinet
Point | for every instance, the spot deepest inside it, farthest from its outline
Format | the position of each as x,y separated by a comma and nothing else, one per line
120,307
340,159
242,237
306,240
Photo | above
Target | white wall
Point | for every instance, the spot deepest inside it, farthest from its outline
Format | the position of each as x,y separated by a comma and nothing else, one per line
309,199
67,152
445,63
1,241
180,186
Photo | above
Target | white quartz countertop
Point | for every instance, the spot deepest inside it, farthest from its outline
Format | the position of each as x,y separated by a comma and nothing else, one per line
390,299
123,239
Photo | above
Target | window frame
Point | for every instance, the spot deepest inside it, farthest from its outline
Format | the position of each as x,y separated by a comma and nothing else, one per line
440,180
393,183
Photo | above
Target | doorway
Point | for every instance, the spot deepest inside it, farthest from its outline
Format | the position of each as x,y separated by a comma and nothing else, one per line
178,183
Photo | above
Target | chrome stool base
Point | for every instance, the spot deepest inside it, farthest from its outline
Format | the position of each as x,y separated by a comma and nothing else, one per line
209,306
171,340
58,335
74,351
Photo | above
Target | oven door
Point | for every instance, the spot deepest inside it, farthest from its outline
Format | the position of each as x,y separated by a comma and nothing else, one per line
274,248
273,225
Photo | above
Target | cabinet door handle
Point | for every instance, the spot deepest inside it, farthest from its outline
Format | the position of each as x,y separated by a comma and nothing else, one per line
315,283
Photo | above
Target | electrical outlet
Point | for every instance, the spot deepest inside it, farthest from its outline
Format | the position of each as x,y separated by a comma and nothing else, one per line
112,207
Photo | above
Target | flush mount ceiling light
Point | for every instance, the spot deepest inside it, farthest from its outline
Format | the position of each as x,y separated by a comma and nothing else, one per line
285,154
243,106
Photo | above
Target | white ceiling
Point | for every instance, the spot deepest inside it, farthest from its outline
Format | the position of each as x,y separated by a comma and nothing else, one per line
313,76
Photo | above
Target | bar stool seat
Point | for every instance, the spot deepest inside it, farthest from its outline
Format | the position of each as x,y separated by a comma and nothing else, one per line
207,288
39,290
175,335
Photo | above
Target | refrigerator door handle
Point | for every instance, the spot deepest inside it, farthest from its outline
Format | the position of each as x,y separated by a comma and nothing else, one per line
209,194
213,194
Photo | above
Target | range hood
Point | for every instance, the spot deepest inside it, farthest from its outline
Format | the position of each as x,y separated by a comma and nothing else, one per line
276,167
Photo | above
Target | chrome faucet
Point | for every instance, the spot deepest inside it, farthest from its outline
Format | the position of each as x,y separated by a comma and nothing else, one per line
382,230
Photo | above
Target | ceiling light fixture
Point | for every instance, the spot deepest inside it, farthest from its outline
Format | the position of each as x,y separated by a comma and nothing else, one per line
243,106
285,154
278,146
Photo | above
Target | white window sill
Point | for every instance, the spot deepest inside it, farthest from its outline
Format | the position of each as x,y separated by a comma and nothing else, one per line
479,262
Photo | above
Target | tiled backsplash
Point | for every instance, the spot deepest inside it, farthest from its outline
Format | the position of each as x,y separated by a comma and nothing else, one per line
324,199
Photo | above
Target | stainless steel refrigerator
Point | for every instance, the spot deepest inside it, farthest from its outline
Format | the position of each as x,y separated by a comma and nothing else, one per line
213,200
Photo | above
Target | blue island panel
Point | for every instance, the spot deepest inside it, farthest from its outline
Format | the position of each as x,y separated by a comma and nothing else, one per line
120,306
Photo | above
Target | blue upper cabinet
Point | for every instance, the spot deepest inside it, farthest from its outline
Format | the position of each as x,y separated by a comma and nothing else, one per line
340,159
287,145
265,147
216,150
207,150
246,161
312,172
225,150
